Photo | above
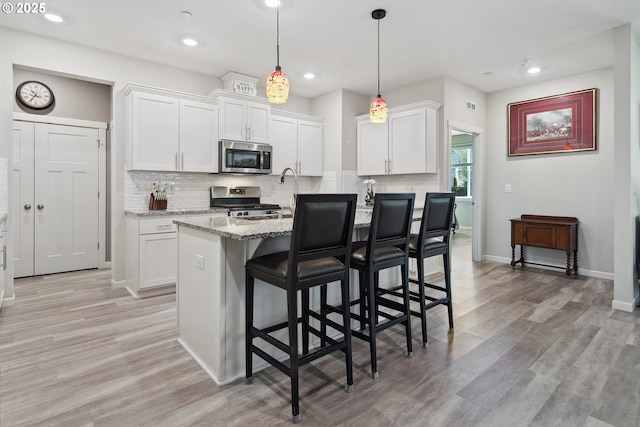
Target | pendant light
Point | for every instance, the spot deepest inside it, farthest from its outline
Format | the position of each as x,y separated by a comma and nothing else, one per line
277,82
378,110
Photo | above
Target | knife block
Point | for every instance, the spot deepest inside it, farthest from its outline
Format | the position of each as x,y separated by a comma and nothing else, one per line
157,205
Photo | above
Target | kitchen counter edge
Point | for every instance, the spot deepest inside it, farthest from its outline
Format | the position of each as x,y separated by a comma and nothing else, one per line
168,212
244,229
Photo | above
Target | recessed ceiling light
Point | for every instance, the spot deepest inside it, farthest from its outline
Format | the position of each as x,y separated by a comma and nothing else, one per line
185,14
190,42
533,70
54,18
309,76
273,3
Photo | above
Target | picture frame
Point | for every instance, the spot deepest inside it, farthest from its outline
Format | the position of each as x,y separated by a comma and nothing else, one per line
554,124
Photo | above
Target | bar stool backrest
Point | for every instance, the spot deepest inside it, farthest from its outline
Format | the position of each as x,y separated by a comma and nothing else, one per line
437,215
322,227
390,221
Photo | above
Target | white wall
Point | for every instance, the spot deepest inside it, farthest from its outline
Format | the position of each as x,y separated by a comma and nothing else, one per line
26,50
565,184
74,99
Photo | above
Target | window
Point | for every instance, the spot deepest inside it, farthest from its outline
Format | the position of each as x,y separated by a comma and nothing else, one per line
461,168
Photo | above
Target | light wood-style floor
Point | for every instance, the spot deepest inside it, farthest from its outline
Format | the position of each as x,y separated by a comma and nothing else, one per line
530,348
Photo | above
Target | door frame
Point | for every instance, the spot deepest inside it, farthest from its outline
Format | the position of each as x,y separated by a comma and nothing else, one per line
477,203
102,170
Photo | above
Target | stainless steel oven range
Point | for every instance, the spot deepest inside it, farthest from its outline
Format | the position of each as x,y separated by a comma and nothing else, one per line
241,201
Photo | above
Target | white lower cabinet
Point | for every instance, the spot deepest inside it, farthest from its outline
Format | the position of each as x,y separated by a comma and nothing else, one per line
152,254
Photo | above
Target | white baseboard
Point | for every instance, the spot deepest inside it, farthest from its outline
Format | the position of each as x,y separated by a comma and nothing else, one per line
118,283
581,271
627,306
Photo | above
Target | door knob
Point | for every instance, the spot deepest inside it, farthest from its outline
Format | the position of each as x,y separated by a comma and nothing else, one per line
27,206
40,206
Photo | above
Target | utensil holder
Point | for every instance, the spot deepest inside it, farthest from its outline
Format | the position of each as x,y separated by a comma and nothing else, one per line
157,205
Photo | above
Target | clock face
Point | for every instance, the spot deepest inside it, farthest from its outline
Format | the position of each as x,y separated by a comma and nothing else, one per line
34,95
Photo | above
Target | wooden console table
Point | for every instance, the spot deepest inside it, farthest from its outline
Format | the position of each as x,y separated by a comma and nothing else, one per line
552,232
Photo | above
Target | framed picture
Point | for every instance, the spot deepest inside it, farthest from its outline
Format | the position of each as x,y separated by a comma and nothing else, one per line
555,124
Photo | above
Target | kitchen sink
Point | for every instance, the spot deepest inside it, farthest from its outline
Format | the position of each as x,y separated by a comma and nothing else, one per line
263,217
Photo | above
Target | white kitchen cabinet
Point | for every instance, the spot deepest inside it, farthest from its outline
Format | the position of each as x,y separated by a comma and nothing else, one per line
297,142
405,144
152,253
170,131
242,120
198,137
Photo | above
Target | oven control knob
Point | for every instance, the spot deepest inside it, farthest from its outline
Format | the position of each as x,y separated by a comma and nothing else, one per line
239,214
270,212
245,213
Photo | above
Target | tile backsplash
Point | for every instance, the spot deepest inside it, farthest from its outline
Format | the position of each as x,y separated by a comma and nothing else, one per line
191,190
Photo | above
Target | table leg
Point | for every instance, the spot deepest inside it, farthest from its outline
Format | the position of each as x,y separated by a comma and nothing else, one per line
575,261
522,255
568,270
513,255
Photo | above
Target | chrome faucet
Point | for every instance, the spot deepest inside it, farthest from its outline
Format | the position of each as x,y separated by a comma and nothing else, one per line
292,201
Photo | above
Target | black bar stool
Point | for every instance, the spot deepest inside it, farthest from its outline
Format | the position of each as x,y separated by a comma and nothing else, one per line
386,247
432,240
319,254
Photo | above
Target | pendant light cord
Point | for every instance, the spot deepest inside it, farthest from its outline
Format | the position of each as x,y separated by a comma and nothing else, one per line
378,58
278,36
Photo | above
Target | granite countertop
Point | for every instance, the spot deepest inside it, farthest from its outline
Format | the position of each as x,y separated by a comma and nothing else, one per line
147,212
247,229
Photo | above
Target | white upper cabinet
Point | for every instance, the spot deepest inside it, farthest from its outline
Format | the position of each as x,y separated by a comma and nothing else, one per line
405,144
373,147
309,148
170,131
242,120
154,129
198,136
297,143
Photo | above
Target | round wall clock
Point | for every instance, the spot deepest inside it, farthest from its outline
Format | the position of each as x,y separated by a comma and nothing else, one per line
34,95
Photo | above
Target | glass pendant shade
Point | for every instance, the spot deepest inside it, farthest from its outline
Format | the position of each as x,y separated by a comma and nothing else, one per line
378,111
277,87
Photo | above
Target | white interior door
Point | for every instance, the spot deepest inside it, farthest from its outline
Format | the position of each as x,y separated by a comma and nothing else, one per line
66,198
23,192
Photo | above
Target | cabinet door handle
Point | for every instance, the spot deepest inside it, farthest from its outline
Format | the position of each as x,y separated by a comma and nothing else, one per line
390,166
249,133
27,206
386,167
40,206
176,160
182,161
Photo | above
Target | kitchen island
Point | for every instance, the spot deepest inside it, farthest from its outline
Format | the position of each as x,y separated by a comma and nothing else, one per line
212,252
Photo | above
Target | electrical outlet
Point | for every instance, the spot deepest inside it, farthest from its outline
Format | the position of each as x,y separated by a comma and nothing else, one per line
200,262
170,188
138,189
507,188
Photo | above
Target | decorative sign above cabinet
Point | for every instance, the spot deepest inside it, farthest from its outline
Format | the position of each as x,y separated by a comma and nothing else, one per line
240,83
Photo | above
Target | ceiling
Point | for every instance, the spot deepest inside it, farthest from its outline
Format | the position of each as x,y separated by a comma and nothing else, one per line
477,43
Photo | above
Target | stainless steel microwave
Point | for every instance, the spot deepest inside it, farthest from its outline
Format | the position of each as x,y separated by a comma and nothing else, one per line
244,157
